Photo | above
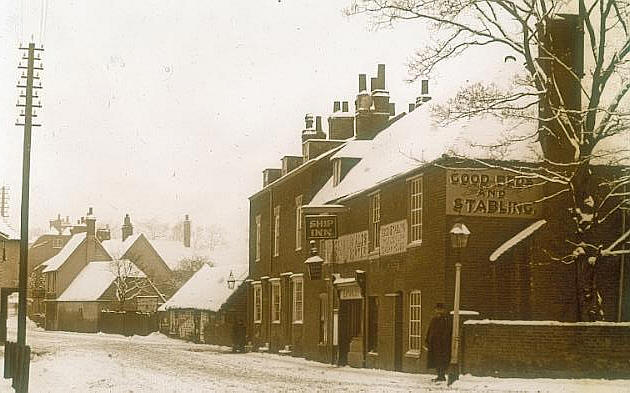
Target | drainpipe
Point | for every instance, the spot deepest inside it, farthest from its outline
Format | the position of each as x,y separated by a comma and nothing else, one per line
624,228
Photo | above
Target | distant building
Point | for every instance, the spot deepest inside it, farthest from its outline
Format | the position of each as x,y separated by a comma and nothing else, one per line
99,288
205,308
9,254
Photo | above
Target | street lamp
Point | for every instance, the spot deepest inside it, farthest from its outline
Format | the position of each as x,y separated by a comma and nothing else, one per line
459,235
231,281
314,263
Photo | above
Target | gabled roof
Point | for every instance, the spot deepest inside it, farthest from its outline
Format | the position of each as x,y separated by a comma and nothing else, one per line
174,251
55,262
92,282
117,247
7,232
414,141
207,289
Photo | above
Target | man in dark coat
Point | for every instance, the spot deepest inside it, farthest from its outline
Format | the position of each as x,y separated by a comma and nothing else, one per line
438,342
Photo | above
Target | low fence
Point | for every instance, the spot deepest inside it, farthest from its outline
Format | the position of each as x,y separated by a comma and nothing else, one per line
547,349
128,323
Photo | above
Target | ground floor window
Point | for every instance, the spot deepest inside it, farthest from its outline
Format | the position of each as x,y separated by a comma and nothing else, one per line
415,332
298,294
373,324
275,301
257,303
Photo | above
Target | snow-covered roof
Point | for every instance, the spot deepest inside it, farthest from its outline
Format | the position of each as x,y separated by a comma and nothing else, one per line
53,231
514,240
415,140
6,230
354,149
207,289
173,251
55,262
93,281
117,247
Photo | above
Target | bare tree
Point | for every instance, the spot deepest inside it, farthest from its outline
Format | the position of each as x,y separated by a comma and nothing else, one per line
578,114
129,282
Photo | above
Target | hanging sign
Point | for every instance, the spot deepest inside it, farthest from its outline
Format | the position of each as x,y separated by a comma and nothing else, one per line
492,193
321,227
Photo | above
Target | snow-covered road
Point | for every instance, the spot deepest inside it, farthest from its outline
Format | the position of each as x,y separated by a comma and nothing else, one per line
76,362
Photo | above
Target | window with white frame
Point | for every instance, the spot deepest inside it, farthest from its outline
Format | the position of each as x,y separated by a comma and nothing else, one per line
415,209
298,299
415,324
336,171
276,301
375,220
257,303
298,222
276,232
258,237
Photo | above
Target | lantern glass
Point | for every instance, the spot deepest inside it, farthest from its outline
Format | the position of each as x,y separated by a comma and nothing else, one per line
459,235
314,266
231,281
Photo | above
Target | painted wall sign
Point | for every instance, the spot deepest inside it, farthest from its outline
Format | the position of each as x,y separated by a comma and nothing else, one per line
491,193
393,238
351,248
321,227
350,292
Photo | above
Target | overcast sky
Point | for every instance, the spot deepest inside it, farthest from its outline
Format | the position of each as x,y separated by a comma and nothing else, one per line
165,108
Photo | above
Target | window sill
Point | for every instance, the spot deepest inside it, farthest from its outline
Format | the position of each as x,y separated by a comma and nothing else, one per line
298,322
412,354
275,322
415,243
257,260
372,353
257,322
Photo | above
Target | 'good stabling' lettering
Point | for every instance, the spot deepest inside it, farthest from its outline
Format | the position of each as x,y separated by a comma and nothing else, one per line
492,206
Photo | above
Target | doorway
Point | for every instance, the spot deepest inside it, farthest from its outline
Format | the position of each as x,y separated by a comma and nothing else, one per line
350,320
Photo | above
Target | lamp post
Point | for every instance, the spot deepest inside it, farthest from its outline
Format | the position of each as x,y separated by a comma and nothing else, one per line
458,234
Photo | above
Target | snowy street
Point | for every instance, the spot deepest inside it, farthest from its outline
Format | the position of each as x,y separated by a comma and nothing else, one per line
79,362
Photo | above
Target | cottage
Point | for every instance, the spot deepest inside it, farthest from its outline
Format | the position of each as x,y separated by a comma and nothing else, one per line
99,287
206,306
9,254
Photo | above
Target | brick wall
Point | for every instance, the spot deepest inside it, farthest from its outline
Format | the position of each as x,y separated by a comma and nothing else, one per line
544,349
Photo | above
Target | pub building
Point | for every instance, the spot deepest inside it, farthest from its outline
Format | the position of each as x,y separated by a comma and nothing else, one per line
379,195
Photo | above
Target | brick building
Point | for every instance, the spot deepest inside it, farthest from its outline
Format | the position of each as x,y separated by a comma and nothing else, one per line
396,195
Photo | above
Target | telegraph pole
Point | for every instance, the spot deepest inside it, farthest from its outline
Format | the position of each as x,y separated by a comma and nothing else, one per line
18,356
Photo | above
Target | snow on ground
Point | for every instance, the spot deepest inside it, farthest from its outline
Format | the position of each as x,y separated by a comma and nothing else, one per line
81,362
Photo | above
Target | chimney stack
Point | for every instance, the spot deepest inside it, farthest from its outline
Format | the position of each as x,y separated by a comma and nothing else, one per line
424,93
312,133
90,222
187,231
374,109
362,84
127,228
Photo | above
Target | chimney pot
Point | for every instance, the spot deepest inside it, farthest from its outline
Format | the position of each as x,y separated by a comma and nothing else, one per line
381,76
318,123
90,211
424,87
412,106
344,106
308,119
373,84
336,106
392,109
186,231
362,83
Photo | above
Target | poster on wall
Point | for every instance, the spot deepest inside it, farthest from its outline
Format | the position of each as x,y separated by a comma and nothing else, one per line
492,193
